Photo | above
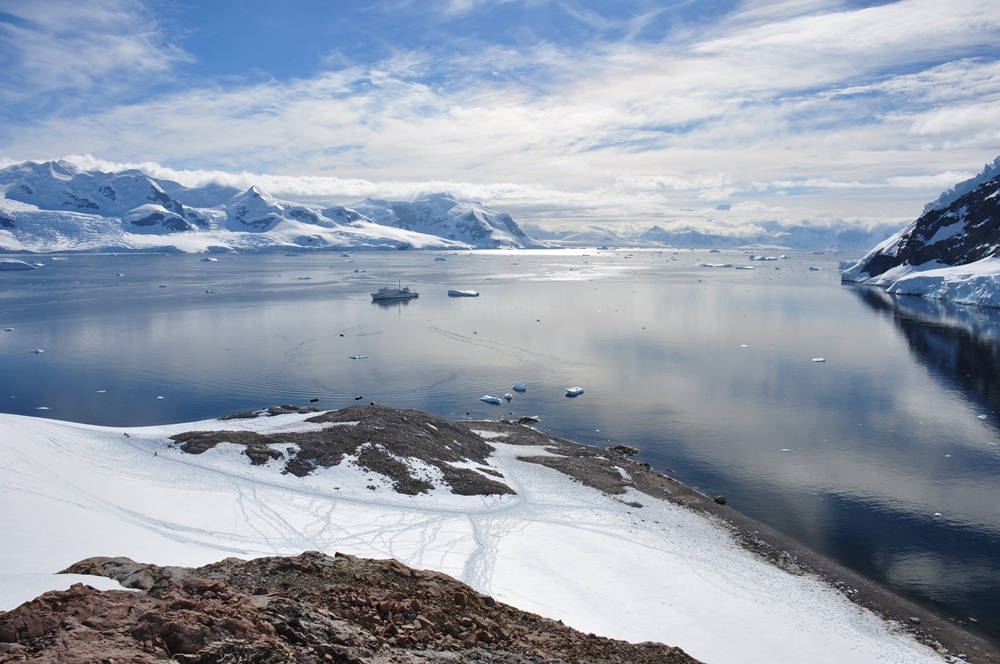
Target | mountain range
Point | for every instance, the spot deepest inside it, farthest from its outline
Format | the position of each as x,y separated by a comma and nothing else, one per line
56,206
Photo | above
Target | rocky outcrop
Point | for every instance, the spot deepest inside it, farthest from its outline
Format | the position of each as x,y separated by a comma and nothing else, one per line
390,442
961,227
307,608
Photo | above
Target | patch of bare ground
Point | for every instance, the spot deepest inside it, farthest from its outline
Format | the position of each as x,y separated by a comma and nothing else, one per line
310,608
380,439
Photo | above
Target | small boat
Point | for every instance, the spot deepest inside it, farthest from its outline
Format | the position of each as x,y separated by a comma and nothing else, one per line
574,391
491,398
520,387
463,293
397,293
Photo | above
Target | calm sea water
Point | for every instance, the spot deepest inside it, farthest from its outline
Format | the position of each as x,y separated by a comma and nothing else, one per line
878,456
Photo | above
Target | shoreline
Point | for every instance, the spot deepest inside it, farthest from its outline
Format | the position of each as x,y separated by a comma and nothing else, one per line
687,580
594,467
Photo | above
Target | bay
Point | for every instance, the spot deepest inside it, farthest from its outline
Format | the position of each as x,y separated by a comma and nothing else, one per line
877,456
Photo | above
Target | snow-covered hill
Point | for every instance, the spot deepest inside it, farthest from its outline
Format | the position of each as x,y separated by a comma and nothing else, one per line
56,206
950,252
629,566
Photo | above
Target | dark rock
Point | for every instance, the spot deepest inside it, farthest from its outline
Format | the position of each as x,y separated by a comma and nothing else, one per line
306,608
720,499
624,450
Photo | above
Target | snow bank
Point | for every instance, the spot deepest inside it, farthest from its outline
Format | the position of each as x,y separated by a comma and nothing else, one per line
660,572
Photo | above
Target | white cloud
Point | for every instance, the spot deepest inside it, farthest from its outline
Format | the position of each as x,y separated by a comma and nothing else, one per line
787,99
77,45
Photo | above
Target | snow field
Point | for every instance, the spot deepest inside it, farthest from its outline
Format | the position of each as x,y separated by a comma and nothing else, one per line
659,572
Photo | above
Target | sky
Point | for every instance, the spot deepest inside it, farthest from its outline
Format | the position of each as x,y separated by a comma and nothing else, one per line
629,112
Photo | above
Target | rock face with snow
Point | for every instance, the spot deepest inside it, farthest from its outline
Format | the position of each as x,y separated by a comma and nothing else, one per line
56,206
950,252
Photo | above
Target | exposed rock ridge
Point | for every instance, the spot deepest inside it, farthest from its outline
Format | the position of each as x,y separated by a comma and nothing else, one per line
379,438
309,608
961,227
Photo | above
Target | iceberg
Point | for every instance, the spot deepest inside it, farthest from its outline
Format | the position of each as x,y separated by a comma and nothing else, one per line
520,387
574,391
490,398
463,293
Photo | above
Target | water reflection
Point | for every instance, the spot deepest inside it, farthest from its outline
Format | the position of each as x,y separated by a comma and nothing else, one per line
959,344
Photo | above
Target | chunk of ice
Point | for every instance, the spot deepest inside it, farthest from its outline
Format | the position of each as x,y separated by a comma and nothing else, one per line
819,359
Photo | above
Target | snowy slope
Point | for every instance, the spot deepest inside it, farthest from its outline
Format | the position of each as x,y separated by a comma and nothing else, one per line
558,548
56,206
444,216
950,252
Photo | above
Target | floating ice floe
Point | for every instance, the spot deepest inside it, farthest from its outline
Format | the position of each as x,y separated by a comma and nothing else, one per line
120,274
209,259
574,391
463,293
14,264
37,351
209,290
440,259
490,398
713,264
42,408
359,357
982,417
815,269
163,285
785,449
520,387
745,267
744,345
819,359
508,397
9,329
159,397
101,391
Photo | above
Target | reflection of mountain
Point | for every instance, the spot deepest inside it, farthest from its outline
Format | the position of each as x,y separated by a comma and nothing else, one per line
959,344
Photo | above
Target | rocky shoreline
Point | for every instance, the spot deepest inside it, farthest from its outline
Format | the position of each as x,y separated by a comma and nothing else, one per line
239,607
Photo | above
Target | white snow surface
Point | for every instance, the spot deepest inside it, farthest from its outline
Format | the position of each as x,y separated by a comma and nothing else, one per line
948,197
663,573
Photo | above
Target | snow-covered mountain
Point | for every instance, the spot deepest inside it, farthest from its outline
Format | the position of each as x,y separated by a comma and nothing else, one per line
444,216
950,252
56,206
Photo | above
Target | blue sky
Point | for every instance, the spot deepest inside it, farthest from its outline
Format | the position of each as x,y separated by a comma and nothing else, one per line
632,112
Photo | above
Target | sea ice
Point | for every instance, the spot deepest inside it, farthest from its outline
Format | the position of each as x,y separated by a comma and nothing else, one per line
37,351
520,387
819,359
574,391
359,357
490,398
